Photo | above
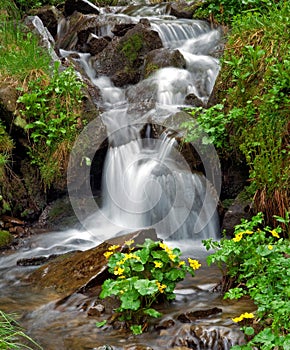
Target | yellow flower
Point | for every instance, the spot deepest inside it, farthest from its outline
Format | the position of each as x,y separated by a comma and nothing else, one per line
164,246
118,271
172,257
181,263
122,276
248,232
161,287
242,316
158,264
275,234
238,237
270,247
131,256
114,247
130,242
194,264
108,254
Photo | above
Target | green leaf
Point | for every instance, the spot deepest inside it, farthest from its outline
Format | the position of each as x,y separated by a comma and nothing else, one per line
136,329
175,274
248,330
101,324
146,287
138,267
129,304
152,313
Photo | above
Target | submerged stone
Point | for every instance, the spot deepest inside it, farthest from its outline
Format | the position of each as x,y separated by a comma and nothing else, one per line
80,271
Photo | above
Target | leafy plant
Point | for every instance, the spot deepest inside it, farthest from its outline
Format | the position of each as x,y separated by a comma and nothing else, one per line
256,263
224,11
50,109
144,275
11,335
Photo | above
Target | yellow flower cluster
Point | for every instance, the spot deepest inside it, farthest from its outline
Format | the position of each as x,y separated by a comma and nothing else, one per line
243,316
118,271
128,256
169,251
275,233
111,250
194,264
158,264
239,235
161,287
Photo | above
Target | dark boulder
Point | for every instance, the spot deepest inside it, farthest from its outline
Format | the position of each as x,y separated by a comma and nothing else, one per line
50,17
82,6
127,55
163,57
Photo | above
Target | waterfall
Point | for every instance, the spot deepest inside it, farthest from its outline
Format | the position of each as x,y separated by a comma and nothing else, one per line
146,181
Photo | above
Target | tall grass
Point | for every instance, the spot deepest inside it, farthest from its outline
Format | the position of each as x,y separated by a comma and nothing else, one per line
11,335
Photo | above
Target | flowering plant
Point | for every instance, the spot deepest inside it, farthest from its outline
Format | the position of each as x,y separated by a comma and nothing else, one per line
144,275
256,263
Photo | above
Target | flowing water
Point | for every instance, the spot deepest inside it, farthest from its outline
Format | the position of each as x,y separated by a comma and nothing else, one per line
146,182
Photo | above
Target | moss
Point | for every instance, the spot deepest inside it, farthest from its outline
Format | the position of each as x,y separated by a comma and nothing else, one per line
132,46
5,238
150,68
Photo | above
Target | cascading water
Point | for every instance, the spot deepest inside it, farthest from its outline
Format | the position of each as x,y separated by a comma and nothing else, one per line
146,181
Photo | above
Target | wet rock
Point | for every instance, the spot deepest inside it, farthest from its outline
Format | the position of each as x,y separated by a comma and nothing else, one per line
82,6
239,209
46,40
193,100
50,17
75,31
208,337
96,310
96,44
8,98
137,347
122,28
81,271
36,261
160,58
181,9
12,220
127,55
165,324
193,315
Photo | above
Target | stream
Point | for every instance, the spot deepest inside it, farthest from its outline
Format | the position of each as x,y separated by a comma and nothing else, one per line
146,183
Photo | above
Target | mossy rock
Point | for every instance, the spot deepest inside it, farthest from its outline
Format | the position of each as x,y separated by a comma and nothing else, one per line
5,238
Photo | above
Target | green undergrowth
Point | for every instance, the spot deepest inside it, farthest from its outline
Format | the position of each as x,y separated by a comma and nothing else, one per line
49,103
49,110
251,122
256,264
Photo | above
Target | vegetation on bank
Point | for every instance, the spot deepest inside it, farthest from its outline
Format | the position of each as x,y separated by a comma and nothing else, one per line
251,121
256,264
47,111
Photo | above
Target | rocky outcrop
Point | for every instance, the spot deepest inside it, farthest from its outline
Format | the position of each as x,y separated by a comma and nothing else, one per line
127,54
